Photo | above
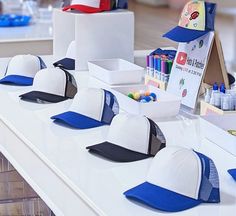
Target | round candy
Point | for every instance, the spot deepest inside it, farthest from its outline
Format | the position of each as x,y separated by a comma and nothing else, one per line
147,93
131,95
143,101
136,95
147,98
142,97
154,96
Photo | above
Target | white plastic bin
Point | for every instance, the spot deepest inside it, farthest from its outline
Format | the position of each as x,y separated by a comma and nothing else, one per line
167,105
215,128
116,71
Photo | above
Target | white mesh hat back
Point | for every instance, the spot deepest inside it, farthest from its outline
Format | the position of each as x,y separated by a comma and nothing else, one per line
24,65
131,132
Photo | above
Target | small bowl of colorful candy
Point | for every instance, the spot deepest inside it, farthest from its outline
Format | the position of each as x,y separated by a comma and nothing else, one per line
143,96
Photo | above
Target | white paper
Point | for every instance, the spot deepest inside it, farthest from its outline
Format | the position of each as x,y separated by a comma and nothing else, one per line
188,69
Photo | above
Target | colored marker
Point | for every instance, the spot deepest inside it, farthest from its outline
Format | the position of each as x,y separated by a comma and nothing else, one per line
155,66
147,62
151,66
163,69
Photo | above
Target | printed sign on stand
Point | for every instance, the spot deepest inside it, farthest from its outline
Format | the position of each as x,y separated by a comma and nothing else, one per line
194,65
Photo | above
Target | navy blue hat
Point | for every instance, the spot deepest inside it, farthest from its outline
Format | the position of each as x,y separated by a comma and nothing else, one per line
90,108
127,143
197,19
68,62
22,69
178,179
51,85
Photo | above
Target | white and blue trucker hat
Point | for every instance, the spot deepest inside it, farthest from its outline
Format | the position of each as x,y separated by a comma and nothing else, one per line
51,85
91,108
178,179
22,69
68,62
130,138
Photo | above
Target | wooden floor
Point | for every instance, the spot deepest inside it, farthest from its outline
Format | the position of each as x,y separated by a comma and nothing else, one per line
152,22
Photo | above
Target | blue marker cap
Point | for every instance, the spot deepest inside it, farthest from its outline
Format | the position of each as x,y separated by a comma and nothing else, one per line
215,87
222,88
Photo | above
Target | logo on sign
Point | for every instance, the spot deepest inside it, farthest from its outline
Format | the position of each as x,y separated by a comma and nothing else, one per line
182,58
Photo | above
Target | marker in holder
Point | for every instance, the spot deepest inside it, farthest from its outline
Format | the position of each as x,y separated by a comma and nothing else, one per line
159,65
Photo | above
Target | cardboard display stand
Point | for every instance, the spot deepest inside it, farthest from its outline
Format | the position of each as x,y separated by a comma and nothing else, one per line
216,69
198,65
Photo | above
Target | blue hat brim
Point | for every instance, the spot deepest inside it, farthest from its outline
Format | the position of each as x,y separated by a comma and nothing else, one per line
232,172
160,198
180,34
77,120
17,80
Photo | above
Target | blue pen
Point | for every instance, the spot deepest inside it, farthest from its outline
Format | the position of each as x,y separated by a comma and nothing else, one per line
159,68
155,66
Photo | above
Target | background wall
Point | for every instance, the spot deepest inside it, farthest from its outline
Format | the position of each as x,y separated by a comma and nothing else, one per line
225,3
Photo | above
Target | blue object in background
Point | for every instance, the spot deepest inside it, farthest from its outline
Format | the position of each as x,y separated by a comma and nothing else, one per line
13,20
232,172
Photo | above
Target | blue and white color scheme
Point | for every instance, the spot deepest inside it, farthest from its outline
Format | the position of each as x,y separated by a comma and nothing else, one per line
22,69
197,19
127,143
68,62
90,108
232,172
178,179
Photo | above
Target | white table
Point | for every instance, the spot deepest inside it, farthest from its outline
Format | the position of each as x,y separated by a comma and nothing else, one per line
35,39
54,161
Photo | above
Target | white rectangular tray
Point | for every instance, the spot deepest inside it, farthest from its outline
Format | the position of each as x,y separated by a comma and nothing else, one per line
167,105
215,128
116,71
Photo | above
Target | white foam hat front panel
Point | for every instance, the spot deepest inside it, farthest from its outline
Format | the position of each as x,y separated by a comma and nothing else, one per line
131,132
50,80
90,3
177,169
24,65
89,102
71,51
